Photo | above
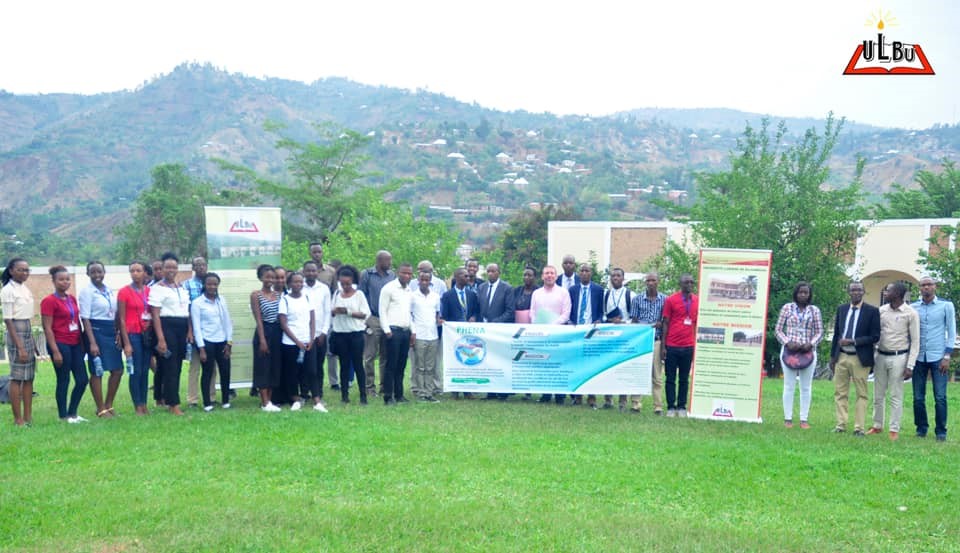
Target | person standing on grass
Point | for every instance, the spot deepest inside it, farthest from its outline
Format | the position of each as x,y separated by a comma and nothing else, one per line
550,304
396,299
372,282
799,329
17,302
213,334
938,333
616,310
194,287
897,353
318,293
426,340
586,299
679,329
647,309
327,274
98,311
170,308
133,318
855,331
459,304
267,339
298,322
350,311
60,314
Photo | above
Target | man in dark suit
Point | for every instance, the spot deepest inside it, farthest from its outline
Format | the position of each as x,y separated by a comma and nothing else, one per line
496,305
459,304
855,331
586,301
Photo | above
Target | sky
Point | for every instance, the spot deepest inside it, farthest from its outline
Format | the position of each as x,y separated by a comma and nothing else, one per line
592,58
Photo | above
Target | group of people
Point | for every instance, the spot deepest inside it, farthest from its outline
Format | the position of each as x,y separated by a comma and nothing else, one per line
354,320
897,342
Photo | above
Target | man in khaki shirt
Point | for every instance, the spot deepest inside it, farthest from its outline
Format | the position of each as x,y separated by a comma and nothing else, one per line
897,353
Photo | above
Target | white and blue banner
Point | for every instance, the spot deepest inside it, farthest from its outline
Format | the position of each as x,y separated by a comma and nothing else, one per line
552,359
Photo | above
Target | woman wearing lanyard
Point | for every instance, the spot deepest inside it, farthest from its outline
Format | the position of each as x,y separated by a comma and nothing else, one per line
268,348
61,325
170,308
17,301
298,321
133,317
799,329
98,309
213,334
350,312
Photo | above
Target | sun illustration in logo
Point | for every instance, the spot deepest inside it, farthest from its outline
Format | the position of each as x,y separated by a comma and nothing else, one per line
881,20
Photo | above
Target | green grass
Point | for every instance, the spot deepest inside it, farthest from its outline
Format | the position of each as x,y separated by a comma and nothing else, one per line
470,476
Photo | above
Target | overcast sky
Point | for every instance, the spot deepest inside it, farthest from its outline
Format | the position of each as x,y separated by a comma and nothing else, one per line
594,57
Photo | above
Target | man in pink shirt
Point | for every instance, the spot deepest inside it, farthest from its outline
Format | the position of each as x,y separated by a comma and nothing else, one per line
550,304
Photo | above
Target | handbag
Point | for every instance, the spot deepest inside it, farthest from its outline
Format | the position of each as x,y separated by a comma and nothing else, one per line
796,360
333,343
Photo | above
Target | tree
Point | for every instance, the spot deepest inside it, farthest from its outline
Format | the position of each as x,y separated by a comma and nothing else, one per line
323,175
944,263
774,198
168,216
938,196
525,239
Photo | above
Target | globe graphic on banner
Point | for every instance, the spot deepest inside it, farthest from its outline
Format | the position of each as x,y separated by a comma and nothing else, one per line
470,350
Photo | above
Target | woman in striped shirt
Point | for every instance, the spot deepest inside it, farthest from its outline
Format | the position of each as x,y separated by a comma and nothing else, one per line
267,358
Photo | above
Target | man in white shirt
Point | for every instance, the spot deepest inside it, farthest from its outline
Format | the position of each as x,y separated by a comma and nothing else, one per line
425,314
396,300
318,292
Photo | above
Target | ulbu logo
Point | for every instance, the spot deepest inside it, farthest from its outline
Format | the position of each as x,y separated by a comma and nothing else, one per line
242,225
882,56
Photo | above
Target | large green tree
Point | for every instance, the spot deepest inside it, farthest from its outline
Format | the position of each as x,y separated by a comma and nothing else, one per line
168,215
524,241
937,195
775,197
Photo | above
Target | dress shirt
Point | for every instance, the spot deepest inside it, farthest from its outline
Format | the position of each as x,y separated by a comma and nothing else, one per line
173,301
804,326
327,275
567,282
438,285
371,284
17,301
97,304
211,320
583,307
648,311
194,287
319,294
938,329
424,313
395,302
550,305
900,330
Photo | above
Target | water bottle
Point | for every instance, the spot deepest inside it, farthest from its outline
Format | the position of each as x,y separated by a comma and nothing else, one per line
98,366
300,357
130,365
167,354
189,355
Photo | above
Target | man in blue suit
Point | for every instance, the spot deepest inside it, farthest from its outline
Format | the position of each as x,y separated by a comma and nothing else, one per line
459,304
496,305
586,300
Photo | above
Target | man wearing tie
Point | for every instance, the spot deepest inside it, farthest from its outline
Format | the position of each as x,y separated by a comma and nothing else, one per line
569,277
459,304
496,304
586,297
856,330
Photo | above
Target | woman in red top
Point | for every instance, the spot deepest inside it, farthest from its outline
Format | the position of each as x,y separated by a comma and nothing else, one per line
133,314
60,314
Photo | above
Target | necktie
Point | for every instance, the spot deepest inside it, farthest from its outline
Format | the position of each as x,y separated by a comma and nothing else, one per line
583,304
493,288
848,333
463,300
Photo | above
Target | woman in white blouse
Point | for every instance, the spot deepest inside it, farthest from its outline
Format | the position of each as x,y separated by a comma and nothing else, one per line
170,307
350,312
298,322
213,334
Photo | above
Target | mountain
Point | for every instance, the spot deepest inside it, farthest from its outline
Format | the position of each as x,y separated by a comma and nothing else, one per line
73,164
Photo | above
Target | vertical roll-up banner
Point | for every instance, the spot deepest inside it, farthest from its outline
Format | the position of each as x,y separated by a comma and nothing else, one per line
727,377
239,239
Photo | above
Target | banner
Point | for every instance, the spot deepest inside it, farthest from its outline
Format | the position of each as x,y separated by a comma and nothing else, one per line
552,359
727,372
242,237
238,240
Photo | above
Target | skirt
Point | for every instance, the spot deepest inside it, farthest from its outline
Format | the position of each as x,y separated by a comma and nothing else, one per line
106,335
22,371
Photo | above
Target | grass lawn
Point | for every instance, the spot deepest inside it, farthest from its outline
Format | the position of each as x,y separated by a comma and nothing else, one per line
471,476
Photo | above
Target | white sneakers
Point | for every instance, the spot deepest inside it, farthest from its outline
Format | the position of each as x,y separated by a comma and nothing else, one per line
208,408
75,420
319,407
270,408
296,406
226,405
